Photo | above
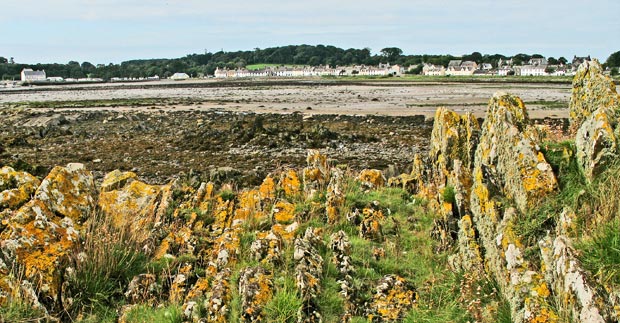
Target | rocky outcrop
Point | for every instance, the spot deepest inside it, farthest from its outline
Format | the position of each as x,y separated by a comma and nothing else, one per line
136,205
573,292
256,289
335,197
509,165
308,273
592,90
341,248
594,112
39,236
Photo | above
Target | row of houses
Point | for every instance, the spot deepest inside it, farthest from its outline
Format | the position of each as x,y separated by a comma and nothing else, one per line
534,67
310,71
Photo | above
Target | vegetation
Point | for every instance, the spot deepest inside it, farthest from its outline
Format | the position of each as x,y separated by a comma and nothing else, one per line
205,64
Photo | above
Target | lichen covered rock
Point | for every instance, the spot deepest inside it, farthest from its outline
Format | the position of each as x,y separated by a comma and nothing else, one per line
116,179
573,292
592,90
507,159
596,142
454,137
256,289
137,206
16,188
290,184
371,179
316,174
393,297
335,197
267,248
308,274
69,192
38,241
370,227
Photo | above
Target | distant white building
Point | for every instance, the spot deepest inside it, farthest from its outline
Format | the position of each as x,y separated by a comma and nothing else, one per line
28,75
179,76
533,70
55,79
436,70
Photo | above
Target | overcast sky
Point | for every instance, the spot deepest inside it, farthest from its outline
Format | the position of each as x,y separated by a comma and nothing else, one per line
99,31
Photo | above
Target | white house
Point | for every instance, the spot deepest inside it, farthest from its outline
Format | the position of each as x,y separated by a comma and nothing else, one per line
533,70
430,69
179,76
28,75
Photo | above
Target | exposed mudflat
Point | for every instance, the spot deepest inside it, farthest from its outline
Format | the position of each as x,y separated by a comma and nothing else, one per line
239,131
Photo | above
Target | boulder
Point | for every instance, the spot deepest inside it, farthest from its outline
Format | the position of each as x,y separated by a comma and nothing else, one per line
136,206
335,197
16,188
596,142
316,174
69,192
453,137
116,179
371,179
592,90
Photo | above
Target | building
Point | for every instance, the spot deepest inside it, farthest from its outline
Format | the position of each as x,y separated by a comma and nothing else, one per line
435,70
533,70
179,76
29,76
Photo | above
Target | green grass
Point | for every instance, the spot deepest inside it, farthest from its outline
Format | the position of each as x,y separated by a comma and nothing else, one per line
601,253
285,302
145,313
17,312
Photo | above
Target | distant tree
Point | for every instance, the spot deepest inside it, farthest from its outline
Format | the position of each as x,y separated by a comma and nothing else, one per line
537,56
391,53
552,61
3,60
614,71
562,60
613,60
550,70
475,56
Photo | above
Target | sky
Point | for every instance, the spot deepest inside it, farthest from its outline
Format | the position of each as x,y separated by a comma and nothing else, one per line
112,31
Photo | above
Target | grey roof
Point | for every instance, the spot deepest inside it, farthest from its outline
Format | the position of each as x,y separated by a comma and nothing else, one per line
29,72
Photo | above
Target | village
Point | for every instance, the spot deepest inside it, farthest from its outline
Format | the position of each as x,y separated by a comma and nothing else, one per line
538,66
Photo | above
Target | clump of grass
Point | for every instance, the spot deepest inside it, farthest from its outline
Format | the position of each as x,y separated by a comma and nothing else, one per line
449,196
285,303
145,313
601,254
17,312
105,264
227,195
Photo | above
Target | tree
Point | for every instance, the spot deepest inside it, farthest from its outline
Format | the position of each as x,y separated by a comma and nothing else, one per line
613,60
562,60
552,61
614,71
3,60
391,53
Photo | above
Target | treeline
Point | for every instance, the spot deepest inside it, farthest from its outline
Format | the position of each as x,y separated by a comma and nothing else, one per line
205,64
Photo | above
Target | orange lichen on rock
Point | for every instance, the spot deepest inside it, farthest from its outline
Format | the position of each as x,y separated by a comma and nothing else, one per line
16,188
256,289
69,191
116,179
135,206
290,184
268,189
283,212
38,240
371,178
393,298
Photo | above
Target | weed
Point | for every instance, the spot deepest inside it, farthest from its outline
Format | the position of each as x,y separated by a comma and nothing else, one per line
601,253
